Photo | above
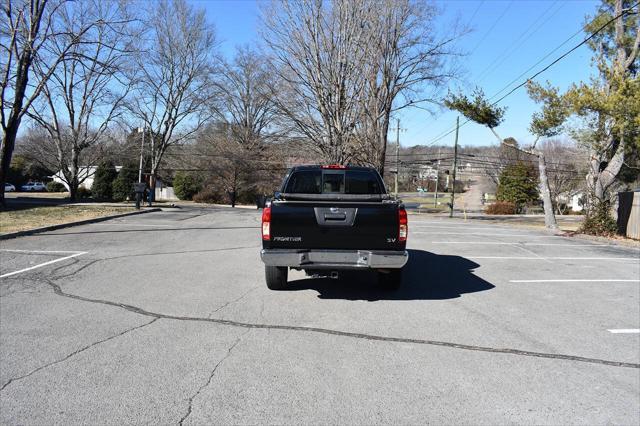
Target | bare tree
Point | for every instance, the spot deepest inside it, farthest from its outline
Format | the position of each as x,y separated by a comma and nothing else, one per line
86,92
564,170
319,51
247,106
408,63
27,31
173,94
245,99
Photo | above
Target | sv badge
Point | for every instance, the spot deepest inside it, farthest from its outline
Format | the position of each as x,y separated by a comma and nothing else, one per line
391,240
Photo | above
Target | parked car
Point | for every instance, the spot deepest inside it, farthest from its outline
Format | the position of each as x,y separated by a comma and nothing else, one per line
8,187
33,186
332,218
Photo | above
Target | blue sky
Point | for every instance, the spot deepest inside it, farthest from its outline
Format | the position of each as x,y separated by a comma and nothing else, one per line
508,37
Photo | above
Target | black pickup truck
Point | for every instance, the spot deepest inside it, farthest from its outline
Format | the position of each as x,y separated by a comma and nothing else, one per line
330,218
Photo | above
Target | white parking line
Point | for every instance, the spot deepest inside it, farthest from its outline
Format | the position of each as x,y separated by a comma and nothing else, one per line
480,228
586,280
78,253
129,224
38,251
625,331
550,258
524,244
493,234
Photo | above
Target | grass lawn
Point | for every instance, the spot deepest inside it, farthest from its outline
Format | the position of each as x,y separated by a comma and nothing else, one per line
21,219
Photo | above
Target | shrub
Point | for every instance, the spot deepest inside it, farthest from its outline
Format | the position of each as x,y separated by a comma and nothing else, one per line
518,184
501,207
56,187
83,192
186,185
122,187
103,180
208,195
598,221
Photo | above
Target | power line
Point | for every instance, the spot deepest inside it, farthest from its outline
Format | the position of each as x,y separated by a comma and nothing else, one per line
624,12
517,43
564,55
504,12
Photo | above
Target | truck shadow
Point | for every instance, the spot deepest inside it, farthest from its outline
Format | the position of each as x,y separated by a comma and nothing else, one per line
427,276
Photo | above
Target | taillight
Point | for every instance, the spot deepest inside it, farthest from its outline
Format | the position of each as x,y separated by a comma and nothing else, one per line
403,225
335,166
266,223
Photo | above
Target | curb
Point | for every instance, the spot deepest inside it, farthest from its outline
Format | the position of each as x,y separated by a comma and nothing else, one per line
614,242
11,235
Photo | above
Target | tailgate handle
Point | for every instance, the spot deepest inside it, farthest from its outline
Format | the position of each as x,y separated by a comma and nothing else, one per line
335,216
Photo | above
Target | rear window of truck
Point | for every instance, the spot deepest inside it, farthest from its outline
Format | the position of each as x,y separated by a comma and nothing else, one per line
355,182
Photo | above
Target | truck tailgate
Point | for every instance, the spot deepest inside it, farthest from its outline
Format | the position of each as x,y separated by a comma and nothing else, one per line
334,225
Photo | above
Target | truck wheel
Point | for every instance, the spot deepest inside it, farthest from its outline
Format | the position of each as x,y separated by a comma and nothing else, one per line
276,277
390,280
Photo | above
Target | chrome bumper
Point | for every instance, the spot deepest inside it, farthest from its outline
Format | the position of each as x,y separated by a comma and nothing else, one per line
339,259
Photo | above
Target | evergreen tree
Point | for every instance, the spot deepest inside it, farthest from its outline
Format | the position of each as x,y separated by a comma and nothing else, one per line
186,185
122,187
103,180
518,184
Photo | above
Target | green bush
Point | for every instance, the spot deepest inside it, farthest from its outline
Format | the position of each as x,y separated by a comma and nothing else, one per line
102,188
186,185
501,207
518,185
122,187
56,187
598,221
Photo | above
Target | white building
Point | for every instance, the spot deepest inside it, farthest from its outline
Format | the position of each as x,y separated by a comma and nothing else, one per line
85,173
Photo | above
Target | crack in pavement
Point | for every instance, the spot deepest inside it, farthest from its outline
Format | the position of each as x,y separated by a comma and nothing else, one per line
42,367
213,372
58,290
94,261
232,301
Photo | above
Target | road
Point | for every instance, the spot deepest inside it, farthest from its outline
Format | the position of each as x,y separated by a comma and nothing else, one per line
164,318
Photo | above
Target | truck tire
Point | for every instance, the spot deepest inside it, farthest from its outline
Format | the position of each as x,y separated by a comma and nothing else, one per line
276,277
390,280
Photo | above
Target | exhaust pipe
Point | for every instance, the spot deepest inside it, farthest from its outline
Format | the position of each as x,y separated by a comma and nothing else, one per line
334,275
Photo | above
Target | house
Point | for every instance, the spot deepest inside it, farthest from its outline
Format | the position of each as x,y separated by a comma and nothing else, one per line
164,192
85,175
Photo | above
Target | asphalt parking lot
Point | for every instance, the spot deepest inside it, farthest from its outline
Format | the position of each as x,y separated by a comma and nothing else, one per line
165,318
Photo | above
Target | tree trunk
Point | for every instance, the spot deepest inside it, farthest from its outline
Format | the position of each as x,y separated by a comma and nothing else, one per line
74,170
8,143
382,144
152,185
549,217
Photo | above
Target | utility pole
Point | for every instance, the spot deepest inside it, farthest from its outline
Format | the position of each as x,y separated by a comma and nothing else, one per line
435,199
138,194
397,155
141,129
455,165
152,178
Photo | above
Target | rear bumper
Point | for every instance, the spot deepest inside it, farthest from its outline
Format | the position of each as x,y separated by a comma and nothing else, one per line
338,259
